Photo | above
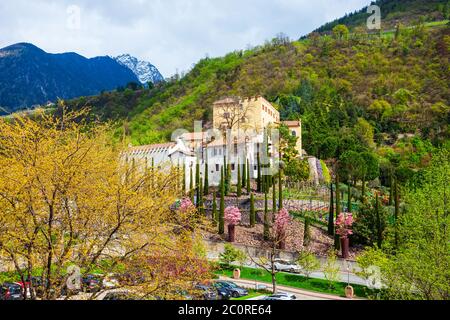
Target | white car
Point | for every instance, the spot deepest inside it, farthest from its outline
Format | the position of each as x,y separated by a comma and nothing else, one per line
281,296
286,266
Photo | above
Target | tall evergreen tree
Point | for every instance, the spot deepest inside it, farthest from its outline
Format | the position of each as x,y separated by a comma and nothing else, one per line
191,186
249,189
252,210
228,179
244,173
349,200
200,198
274,199
337,243
266,218
331,212
379,226
396,212
280,188
239,185
258,178
222,203
206,186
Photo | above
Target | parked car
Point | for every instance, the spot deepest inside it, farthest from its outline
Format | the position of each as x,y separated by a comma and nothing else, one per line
231,289
11,291
281,296
207,292
286,266
91,283
116,296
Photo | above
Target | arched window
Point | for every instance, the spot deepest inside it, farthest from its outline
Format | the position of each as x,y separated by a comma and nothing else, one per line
294,134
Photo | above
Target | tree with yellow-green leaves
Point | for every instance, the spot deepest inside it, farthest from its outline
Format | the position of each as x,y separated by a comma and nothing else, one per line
69,197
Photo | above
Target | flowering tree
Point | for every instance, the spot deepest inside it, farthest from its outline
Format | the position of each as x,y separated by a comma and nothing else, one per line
281,223
70,197
344,223
232,218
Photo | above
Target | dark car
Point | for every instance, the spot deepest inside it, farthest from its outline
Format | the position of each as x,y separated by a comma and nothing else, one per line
11,291
116,296
91,283
231,289
207,292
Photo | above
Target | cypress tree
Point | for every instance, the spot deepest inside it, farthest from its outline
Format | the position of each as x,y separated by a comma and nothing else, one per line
266,218
206,186
280,189
222,204
391,188
228,179
248,177
252,210
244,174
331,212
258,178
337,243
197,183
239,185
379,228
274,199
200,198
215,216
191,185
349,201
396,211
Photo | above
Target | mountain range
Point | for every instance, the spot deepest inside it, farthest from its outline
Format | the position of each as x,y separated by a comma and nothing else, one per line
30,76
145,71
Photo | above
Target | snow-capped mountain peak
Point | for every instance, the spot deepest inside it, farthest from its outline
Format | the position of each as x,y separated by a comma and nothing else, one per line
145,71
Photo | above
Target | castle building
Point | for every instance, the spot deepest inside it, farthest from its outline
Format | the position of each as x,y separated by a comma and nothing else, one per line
241,124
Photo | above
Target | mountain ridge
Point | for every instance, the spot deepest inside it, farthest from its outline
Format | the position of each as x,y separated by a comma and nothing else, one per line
30,76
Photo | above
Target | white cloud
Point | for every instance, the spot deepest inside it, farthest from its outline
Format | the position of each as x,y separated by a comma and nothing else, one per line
172,34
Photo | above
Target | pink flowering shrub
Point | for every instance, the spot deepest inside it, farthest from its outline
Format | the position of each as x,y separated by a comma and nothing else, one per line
282,221
186,205
343,224
232,216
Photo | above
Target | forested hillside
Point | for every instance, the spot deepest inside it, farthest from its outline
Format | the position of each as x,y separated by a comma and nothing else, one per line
405,12
352,91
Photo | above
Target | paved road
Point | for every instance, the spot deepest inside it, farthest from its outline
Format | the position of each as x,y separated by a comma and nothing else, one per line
300,294
344,276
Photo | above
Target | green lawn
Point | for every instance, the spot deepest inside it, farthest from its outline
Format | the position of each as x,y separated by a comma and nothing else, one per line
298,281
251,294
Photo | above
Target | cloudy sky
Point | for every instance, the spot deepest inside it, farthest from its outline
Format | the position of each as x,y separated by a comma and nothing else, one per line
172,34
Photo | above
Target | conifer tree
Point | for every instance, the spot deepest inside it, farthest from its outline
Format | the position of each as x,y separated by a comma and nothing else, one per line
266,217
331,213
215,216
206,186
252,210
239,185
222,203
248,177
274,199
244,174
